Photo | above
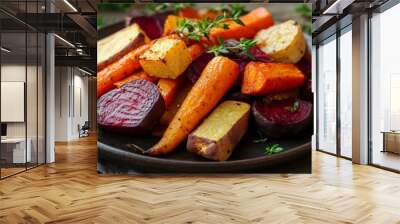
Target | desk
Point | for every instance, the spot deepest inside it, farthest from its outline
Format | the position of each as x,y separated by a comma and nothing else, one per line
391,141
13,150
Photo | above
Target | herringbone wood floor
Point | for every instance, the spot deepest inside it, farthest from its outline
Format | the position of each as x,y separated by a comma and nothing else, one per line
70,191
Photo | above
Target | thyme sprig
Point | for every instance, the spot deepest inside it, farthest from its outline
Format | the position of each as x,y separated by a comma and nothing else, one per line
240,48
198,29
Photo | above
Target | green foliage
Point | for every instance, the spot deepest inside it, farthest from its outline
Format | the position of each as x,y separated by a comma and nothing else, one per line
305,11
275,148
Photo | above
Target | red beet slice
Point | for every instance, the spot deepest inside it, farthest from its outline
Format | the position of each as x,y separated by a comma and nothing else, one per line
151,25
135,108
283,118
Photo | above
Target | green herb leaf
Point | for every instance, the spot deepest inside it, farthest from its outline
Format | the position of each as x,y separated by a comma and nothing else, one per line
294,107
275,148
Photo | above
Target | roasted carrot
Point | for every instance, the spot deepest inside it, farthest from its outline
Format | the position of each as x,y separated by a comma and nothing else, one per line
195,51
216,79
136,76
254,21
168,89
189,12
264,78
119,70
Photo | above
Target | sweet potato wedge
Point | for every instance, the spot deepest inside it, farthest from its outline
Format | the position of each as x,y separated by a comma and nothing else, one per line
283,43
113,47
266,78
220,132
166,58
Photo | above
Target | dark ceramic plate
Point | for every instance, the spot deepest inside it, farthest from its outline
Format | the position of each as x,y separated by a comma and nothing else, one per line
114,149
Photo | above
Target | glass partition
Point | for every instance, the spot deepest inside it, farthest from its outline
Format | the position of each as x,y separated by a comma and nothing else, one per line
327,96
23,90
346,92
385,89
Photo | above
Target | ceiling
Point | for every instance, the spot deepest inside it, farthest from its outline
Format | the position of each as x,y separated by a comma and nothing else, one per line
72,20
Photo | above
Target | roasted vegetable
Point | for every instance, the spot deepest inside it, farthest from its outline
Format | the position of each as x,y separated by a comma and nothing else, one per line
195,69
166,58
189,12
151,25
265,78
254,21
135,108
168,89
283,43
216,79
136,76
170,24
283,118
173,108
119,70
221,131
115,46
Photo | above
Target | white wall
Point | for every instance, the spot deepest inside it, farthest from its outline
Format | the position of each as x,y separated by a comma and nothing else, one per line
70,84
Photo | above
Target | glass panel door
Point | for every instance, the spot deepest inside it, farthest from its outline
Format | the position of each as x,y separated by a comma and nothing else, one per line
327,96
346,93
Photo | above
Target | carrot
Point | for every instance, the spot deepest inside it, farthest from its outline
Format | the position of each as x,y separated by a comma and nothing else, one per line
189,12
119,70
195,51
168,89
254,21
216,79
136,76
264,78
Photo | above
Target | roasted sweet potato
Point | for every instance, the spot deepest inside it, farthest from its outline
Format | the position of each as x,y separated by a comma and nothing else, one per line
166,58
283,118
283,43
266,78
135,108
113,47
220,132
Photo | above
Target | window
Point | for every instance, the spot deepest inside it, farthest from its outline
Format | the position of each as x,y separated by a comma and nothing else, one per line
385,89
346,95
327,96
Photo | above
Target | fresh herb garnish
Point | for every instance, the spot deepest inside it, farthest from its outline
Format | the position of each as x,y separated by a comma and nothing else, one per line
161,7
240,48
198,29
294,107
232,10
275,148
305,11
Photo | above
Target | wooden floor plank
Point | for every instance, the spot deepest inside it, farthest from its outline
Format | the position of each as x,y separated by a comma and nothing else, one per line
71,191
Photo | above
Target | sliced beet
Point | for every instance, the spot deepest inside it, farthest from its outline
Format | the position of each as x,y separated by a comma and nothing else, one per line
135,108
195,69
151,25
283,118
